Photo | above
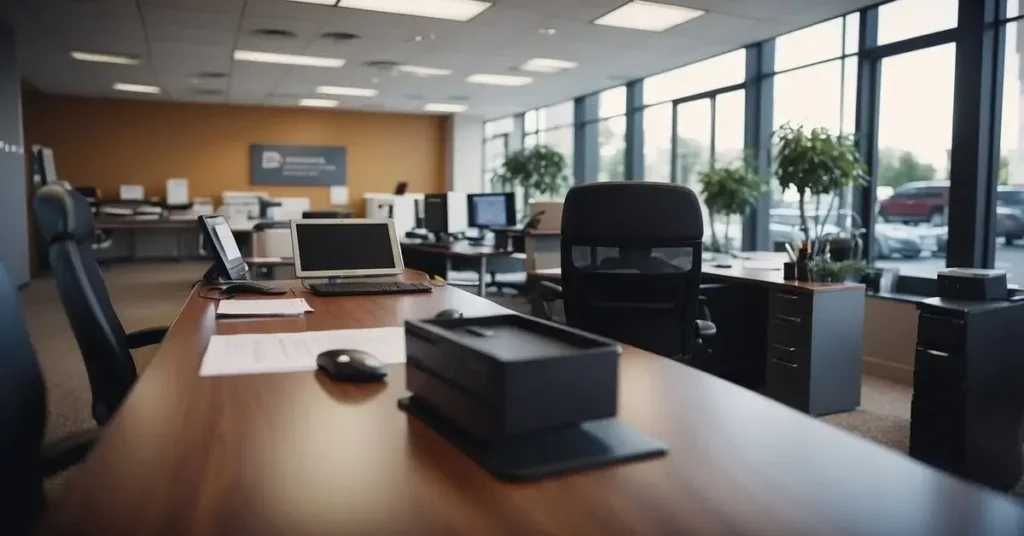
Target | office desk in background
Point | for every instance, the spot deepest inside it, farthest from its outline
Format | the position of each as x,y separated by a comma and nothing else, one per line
296,454
164,238
440,259
800,343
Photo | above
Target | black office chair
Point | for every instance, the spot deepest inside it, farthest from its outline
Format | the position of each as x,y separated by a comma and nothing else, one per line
24,459
631,265
67,225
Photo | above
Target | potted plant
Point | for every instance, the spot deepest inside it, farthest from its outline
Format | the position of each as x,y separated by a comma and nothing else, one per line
537,170
729,191
816,163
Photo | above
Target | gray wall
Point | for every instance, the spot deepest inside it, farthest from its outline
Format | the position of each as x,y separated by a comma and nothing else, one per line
14,252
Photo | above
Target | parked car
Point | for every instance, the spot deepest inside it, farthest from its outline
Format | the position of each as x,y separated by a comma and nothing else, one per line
917,202
784,226
892,239
1010,213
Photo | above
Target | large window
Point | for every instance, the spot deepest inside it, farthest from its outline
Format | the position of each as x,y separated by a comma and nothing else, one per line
720,71
915,133
552,126
611,134
658,143
496,147
904,19
1009,233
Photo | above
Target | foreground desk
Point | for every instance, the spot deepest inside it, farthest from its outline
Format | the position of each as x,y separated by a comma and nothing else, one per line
295,454
440,259
800,343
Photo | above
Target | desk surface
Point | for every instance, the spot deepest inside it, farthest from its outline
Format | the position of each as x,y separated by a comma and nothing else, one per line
753,269
459,248
295,454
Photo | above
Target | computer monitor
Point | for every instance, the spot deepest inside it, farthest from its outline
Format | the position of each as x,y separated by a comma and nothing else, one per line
345,248
435,213
46,168
401,187
487,211
228,264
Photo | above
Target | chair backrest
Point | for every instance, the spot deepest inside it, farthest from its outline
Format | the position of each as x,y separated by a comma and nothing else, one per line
22,417
67,225
631,263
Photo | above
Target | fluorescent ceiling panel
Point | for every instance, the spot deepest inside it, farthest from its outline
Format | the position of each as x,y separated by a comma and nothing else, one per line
547,65
287,59
420,70
320,2
458,10
347,91
444,107
499,79
319,103
136,88
104,58
648,16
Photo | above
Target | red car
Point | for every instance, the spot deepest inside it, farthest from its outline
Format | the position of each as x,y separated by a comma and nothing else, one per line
914,202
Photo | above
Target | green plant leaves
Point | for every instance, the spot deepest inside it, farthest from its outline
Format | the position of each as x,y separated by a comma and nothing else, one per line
539,169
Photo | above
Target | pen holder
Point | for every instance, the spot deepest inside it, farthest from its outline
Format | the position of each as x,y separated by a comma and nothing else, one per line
803,271
789,271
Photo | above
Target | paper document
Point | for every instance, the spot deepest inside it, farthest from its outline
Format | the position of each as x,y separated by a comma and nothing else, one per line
229,355
292,307
132,192
339,196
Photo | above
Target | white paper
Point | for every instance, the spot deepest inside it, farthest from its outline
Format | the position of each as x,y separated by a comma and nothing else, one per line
132,192
177,192
339,195
229,355
228,241
279,307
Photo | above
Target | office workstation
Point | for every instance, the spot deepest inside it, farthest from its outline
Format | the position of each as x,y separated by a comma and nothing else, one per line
277,277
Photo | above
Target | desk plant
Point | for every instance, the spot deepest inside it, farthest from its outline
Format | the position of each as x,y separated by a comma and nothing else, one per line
729,191
537,170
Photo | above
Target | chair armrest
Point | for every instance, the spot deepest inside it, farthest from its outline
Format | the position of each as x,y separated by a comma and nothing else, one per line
542,294
706,329
146,337
549,291
68,450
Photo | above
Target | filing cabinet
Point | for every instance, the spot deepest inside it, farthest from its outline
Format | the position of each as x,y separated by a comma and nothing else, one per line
968,402
814,347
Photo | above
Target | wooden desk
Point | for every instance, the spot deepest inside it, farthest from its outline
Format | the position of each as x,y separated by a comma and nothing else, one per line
800,343
296,454
421,255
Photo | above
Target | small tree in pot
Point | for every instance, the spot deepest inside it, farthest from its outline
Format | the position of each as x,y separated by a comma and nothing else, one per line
729,191
816,163
537,170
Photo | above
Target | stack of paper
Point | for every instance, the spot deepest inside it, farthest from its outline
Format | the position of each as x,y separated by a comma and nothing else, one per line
229,355
281,307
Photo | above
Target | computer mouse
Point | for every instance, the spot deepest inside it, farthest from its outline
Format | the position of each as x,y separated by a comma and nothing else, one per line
351,366
449,314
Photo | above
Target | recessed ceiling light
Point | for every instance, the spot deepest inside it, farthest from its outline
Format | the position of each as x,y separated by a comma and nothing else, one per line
287,59
460,10
274,33
648,16
339,36
136,88
443,107
347,91
119,59
319,103
499,79
547,65
547,31
420,70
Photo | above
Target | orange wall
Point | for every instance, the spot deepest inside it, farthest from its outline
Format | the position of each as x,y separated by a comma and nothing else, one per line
109,142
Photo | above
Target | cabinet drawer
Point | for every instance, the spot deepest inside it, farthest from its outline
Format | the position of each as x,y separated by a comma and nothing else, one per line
931,364
788,383
940,333
790,303
794,355
790,331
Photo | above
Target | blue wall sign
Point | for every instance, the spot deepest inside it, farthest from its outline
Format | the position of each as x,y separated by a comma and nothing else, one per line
299,165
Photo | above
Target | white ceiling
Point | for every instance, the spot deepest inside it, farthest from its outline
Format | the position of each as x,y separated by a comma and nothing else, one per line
178,39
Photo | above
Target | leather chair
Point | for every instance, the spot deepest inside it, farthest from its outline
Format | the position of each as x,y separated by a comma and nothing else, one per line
631,265
67,226
24,459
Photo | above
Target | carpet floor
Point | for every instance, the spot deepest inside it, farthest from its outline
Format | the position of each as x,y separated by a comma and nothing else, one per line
146,295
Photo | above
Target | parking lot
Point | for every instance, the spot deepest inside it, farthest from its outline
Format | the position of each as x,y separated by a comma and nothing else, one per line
1009,258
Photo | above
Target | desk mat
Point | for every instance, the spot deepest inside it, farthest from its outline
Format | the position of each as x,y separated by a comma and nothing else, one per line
545,454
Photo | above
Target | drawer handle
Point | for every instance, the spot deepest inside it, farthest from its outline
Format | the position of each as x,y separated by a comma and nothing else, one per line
788,296
934,352
792,319
786,348
784,362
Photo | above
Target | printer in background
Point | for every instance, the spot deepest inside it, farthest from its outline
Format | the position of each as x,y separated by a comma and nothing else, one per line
975,284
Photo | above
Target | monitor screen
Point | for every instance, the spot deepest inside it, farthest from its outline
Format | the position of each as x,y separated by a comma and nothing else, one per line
221,241
327,247
46,169
492,210
435,213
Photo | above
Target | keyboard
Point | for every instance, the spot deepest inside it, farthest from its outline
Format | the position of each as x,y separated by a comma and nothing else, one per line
367,289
